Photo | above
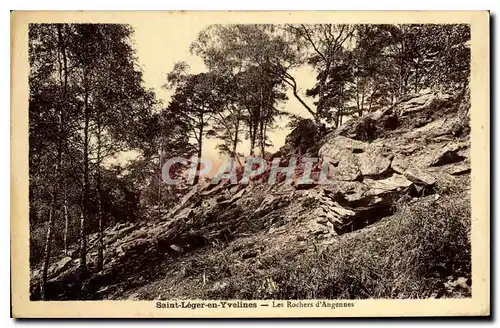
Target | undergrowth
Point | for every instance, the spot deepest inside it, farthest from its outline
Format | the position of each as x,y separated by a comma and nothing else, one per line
409,255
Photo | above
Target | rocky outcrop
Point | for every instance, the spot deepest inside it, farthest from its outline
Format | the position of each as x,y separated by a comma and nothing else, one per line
352,159
396,154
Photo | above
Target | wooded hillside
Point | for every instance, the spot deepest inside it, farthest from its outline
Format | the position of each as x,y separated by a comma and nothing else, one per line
88,105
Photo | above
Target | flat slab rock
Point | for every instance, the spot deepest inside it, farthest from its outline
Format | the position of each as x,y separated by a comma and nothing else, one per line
414,173
395,182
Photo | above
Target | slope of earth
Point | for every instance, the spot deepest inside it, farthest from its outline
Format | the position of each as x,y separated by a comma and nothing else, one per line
393,222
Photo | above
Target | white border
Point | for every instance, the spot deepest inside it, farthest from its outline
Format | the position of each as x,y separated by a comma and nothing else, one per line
187,5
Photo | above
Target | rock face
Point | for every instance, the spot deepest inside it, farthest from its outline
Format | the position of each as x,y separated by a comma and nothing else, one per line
353,158
397,153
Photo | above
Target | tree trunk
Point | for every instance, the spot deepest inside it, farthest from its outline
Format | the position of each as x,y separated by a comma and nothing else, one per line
319,110
85,205
47,253
371,99
262,138
341,107
100,242
288,79
235,140
252,145
357,97
253,134
315,115
66,226
361,110
83,243
260,121
100,237
234,151
56,185
200,146
160,158
53,210
200,151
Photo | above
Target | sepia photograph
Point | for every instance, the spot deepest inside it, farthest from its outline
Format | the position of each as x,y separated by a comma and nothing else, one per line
213,165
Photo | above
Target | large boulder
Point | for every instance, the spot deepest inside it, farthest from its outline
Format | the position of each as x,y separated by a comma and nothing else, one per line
353,158
416,103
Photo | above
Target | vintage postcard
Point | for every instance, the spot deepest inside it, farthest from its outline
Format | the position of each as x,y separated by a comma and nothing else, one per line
250,164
